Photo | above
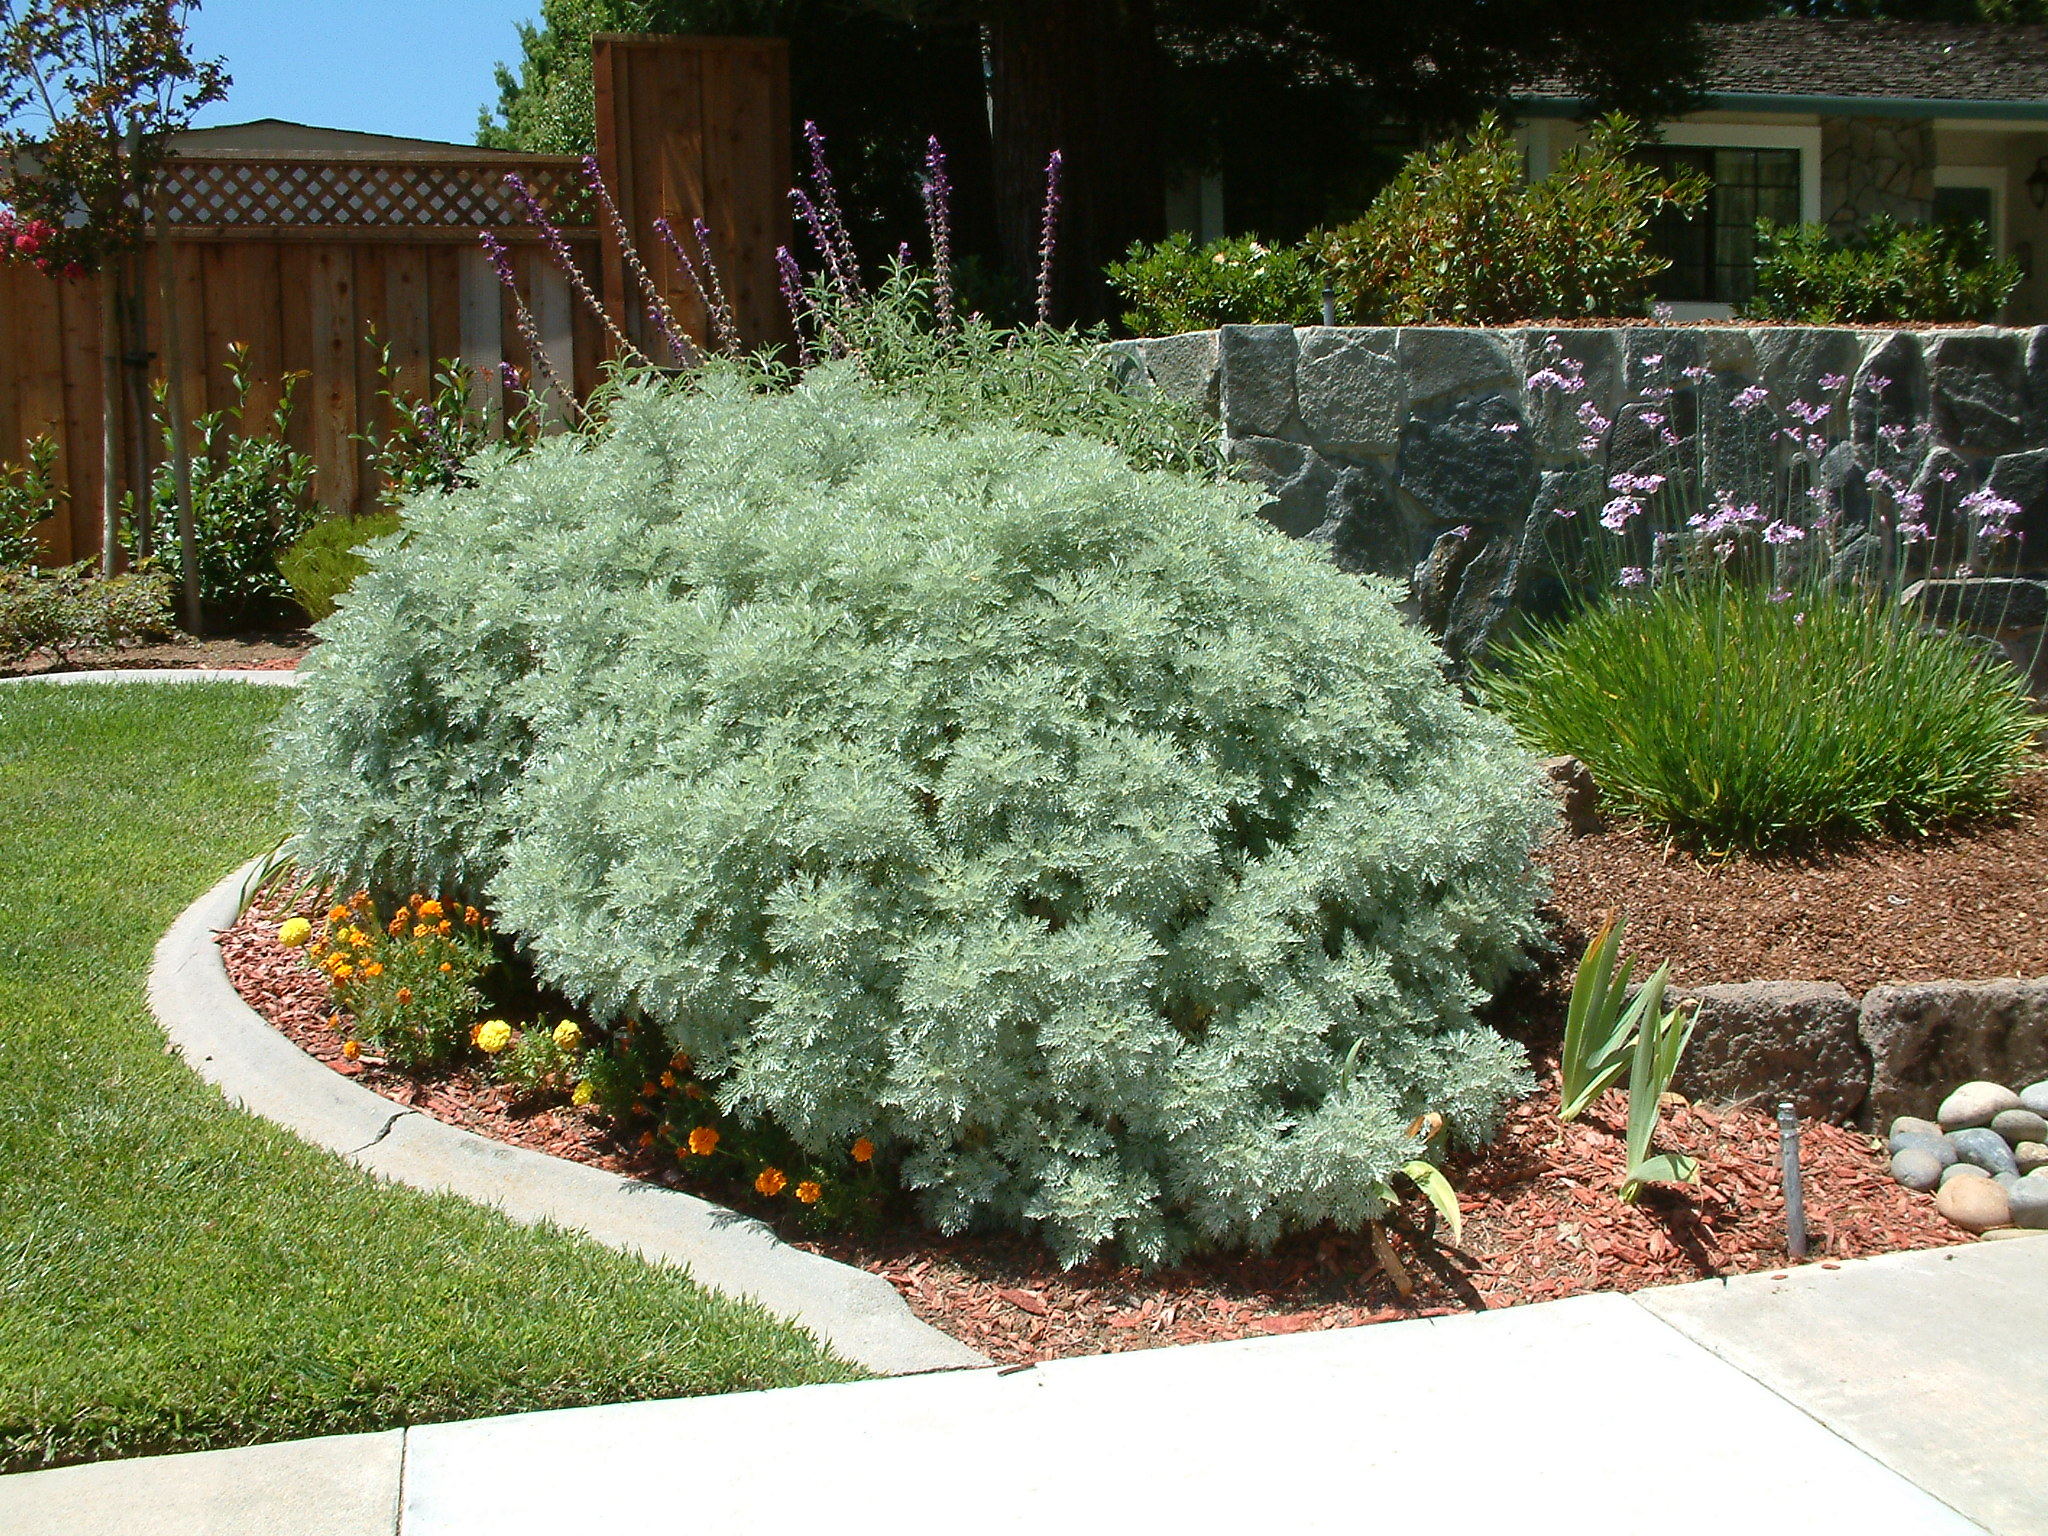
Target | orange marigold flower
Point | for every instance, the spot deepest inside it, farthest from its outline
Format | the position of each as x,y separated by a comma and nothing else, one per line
470,916
417,901
337,914
351,1049
691,1090
358,939
770,1181
404,996
863,1151
647,1090
646,1139
343,971
373,969
430,908
703,1141
421,931
360,900
334,1021
809,1192
446,968
396,926
668,1079
443,927
680,1062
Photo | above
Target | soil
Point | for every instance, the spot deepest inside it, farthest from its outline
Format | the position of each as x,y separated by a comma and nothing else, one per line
1964,903
1541,1215
258,651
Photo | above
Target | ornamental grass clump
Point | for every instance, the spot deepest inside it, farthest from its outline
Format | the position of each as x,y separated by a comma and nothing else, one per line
1745,717
1092,857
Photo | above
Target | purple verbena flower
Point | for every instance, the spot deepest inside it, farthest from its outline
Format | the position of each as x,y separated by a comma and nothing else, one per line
1632,576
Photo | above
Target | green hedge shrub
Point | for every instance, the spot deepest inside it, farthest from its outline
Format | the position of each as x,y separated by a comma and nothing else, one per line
1740,718
1459,237
72,609
1060,827
1176,286
1889,272
328,557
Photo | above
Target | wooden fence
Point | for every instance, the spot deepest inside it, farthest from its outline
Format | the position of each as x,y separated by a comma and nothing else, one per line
303,258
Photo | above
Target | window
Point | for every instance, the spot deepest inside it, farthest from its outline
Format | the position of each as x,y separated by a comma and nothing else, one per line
1713,252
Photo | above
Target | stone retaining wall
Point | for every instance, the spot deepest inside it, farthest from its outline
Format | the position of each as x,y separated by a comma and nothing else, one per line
1424,452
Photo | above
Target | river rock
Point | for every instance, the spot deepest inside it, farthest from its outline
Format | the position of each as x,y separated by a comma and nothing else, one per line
2035,1097
1956,1171
1975,1104
1975,1205
1913,1125
1917,1168
1984,1147
1939,1147
2027,1200
1997,1233
2030,1157
2018,1125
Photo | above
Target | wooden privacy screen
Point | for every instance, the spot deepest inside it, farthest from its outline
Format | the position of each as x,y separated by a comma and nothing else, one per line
690,128
300,256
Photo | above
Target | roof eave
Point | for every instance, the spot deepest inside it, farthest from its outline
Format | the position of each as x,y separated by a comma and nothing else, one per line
1825,106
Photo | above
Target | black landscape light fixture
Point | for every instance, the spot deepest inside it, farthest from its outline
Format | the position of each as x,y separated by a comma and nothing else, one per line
2037,184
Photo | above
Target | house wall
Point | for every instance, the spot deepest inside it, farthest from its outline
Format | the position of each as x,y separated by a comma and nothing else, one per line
1874,165
1440,456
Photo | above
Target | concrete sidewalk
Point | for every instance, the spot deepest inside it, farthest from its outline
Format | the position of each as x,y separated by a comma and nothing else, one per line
1894,1394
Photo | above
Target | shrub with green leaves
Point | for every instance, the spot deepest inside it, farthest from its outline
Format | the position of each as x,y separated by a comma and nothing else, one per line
328,557
1741,718
30,494
1459,237
252,496
1888,272
1060,828
1177,286
73,608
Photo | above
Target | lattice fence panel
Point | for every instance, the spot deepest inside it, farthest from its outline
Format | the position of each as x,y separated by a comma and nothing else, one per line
356,194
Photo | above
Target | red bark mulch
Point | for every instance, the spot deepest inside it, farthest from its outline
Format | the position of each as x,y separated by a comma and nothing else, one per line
1542,1219
265,651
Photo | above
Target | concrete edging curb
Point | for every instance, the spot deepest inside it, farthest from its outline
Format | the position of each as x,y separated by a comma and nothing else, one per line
268,677
224,1040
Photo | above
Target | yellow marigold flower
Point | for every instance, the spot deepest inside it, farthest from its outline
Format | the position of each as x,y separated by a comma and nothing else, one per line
703,1141
358,939
430,908
770,1181
809,1192
337,914
863,1151
582,1093
568,1035
421,931
351,1049
492,1036
443,927
316,949
293,932
668,1079
404,996
343,970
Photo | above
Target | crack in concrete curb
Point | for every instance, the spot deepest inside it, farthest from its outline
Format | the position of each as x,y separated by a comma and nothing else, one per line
859,1315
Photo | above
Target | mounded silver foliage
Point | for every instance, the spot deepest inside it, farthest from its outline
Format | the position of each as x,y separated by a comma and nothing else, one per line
1060,827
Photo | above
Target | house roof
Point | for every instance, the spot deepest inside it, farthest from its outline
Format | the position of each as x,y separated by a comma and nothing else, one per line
1798,64
275,135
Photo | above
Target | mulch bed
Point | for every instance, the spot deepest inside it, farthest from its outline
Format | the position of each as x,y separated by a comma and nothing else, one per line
260,651
1967,903
1542,1219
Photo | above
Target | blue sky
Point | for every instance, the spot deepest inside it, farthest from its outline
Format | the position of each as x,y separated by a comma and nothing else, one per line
420,68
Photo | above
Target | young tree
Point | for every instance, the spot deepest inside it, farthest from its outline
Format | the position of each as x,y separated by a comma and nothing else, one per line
91,92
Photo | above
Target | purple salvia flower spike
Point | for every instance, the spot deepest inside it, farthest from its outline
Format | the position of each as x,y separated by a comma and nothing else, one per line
529,331
938,214
792,279
1047,237
559,249
727,328
846,267
815,221
680,348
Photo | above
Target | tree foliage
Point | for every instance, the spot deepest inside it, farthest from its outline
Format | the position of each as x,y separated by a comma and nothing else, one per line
91,92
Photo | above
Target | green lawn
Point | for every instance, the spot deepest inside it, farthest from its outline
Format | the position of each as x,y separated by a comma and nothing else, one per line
176,1275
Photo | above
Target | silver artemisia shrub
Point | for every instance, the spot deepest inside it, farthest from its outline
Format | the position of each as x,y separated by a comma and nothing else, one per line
1122,869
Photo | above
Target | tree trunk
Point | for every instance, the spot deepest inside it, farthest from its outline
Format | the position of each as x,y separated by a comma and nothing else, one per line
174,409
110,416
1082,77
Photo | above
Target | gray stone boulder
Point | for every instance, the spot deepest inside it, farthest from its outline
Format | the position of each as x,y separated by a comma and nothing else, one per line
1762,1041
1577,796
1956,1171
1916,1168
1451,362
1981,602
1257,380
1974,1104
2030,1157
1296,479
1913,1125
1940,1148
2028,1203
1454,463
2018,1125
1925,1037
1983,1148
1186,368
1977,390
2035,1095
1352,393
